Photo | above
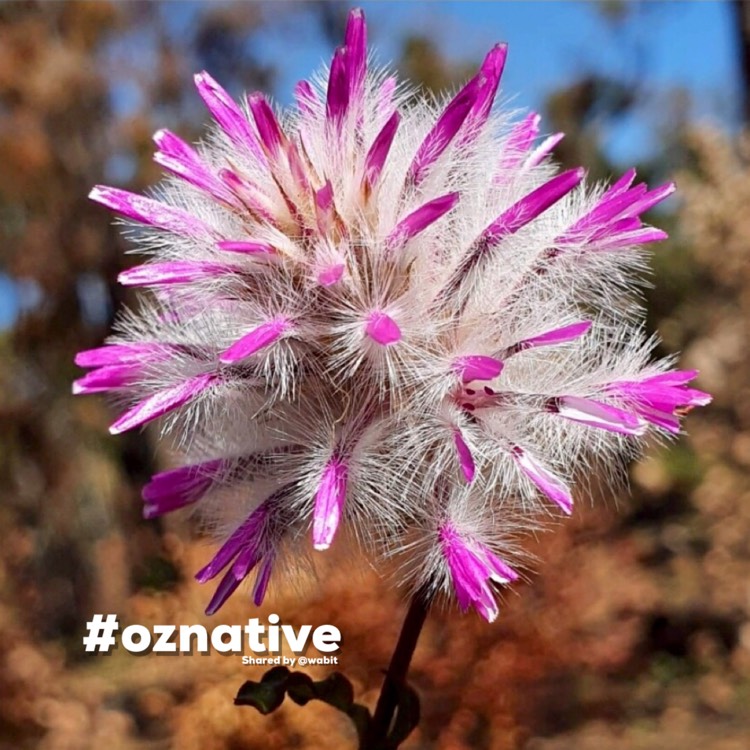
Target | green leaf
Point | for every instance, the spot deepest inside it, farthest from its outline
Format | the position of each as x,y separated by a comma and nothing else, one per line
301,688
335,690
268,694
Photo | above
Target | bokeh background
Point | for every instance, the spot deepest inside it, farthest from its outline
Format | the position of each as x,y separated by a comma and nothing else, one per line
634,634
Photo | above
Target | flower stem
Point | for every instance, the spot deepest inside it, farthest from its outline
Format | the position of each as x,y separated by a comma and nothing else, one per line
395,677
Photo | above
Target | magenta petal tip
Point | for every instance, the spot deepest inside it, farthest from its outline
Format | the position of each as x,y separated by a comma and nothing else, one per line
331,274
259,338
161,403
248,248
382,329
329,504
477,367
465,458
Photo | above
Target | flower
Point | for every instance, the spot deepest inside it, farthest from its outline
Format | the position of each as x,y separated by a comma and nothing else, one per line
379,316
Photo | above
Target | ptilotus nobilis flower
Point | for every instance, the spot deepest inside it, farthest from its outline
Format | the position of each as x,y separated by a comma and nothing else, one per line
385,317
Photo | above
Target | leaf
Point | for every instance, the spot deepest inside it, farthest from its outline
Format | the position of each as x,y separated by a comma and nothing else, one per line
268,694
301,688
335,690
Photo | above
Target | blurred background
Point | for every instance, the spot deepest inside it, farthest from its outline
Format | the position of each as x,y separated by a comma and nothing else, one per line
635,634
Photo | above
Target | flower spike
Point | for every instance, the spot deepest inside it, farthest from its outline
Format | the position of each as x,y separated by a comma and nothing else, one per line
374,319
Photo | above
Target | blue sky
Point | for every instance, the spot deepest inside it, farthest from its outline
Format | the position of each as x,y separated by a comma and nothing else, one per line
663,45
677,44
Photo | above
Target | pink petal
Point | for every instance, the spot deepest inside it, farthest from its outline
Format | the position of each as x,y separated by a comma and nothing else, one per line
664,419
443,132
224,590
385,97
329,504
518,143
607,212
297,168
472,566
325,210
673,377
650,199
337,98
465,459
248,248
324,197
269,131
556,336
542,150
382,329
489,77
417,221
248,535
262,581
182,160
622,184
510,221
149,211
331,275
259,338
657,398
120,354
609,230
162,402
305,96
249,193
637,237
552,486
477,367
170,490
531,206
378,153
355,40
107,378
227,114
173,272
698,398
247,559
603,416
502,572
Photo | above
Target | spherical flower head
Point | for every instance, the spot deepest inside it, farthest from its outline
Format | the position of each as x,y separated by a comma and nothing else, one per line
395,322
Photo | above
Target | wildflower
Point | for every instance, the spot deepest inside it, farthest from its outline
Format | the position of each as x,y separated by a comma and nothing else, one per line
388,319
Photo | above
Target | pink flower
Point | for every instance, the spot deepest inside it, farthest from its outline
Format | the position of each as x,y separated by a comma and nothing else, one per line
353,319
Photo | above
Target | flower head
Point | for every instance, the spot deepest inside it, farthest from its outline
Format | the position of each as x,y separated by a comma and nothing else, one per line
395,322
